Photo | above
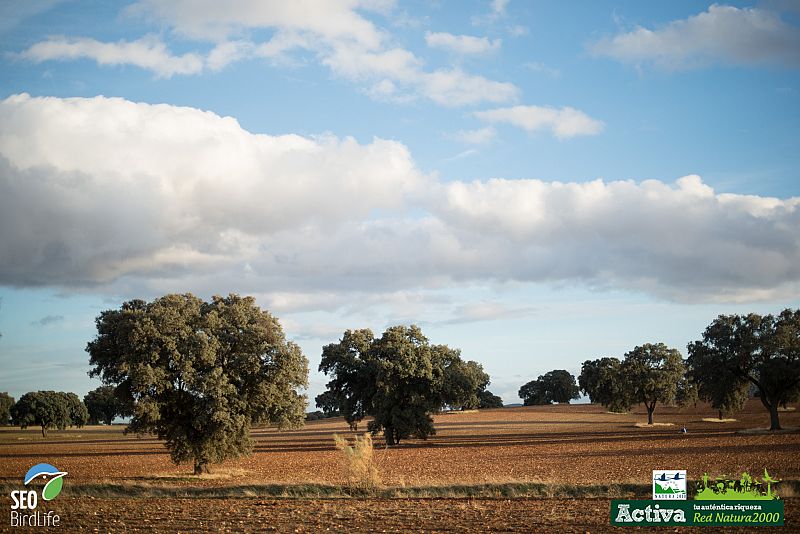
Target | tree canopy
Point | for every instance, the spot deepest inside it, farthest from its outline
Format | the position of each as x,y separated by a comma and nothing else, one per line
653,373
6,402
199,374
738,350
489,400
352,383
603,380
104,405
78,414
49,410
554,386
464,382
408,381
399,379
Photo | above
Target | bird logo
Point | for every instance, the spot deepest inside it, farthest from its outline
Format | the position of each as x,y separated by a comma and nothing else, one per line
54,478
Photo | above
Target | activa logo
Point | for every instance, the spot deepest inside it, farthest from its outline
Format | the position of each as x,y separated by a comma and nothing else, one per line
28,500
651,513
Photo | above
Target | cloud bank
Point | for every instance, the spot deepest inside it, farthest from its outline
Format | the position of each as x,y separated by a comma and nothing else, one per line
722,34
118,196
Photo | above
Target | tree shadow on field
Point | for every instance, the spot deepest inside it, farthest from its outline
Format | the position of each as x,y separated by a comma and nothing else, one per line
121,441
502,440
696,450
465,424
84,454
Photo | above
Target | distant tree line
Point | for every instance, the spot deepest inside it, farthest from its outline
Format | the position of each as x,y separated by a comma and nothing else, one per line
59,410
736,354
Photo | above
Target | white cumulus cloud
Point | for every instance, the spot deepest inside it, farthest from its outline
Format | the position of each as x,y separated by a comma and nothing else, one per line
138,187
563,122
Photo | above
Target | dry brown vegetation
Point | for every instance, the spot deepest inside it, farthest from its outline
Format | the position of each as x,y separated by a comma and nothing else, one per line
576,445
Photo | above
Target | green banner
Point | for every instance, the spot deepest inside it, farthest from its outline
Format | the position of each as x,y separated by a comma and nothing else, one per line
727,513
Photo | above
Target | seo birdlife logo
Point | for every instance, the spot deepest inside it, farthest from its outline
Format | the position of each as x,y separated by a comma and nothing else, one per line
24,503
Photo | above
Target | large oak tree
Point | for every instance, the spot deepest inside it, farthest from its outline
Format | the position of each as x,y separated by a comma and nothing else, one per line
49,410
603,380
104,405
554,386
653,373
198,374
399,379
738,350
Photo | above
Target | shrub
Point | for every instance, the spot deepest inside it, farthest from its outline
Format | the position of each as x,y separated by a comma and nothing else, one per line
358,462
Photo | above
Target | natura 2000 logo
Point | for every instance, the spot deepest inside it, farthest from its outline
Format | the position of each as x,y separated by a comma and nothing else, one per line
24,503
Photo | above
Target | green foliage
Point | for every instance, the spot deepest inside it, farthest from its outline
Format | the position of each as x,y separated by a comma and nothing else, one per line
555,386
358,462
78,414
533,393
6,402
652,374
489,400
352,384
738,350
47,409
603,380
198,374
463,381
329,403
104,405
399,379
686,393
407,382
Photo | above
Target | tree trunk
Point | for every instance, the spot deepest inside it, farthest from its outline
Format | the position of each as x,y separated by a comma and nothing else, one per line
201,467
388,434
44,431
650,409
774,423
720,415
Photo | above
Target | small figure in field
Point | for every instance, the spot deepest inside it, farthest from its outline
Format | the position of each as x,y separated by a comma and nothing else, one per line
683,430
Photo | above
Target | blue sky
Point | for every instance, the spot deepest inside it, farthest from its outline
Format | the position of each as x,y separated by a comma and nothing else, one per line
536,183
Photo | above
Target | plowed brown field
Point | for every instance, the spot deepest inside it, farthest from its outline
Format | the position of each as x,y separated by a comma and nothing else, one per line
577,444
356,515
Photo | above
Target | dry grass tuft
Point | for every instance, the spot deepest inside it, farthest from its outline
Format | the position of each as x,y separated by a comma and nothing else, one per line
718,420
645,425
358,462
